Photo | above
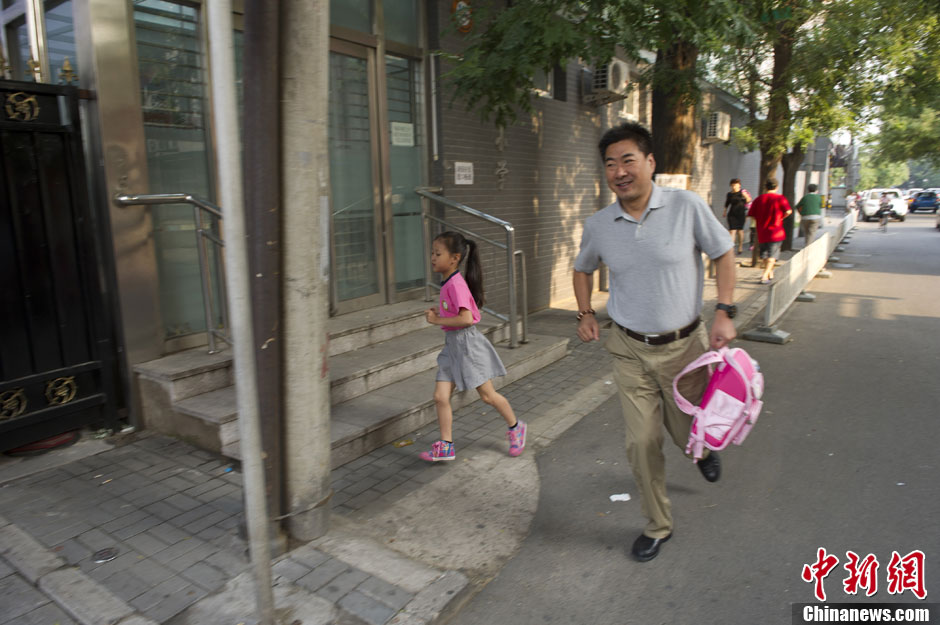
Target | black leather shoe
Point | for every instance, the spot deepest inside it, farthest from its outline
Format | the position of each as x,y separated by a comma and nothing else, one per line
646,548
710,467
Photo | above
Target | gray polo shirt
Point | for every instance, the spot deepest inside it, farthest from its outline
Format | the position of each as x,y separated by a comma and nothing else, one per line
656,270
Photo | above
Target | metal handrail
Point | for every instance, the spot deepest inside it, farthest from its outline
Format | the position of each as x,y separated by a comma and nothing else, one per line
199,204
511,254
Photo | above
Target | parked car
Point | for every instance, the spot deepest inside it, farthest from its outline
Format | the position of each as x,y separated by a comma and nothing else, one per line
870,203
925,200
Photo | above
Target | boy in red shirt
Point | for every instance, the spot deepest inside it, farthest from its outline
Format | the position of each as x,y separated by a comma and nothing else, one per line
769,210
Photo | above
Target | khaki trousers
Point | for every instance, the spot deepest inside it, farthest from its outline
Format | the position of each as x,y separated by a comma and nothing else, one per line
644,375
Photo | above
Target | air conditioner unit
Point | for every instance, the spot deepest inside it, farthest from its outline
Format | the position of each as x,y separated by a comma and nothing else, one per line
610,82
717,127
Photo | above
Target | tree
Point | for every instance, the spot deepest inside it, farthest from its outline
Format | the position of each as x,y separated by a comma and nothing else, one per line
909,111
878,173
494,73
813,70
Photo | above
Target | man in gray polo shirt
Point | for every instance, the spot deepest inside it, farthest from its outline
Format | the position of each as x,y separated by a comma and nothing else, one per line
652,239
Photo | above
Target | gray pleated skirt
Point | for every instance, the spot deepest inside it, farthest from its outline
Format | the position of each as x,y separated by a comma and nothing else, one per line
468,359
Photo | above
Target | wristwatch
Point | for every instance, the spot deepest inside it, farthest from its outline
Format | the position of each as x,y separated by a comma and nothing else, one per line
730,309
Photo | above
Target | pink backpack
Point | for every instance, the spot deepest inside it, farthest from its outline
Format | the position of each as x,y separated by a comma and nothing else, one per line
730,404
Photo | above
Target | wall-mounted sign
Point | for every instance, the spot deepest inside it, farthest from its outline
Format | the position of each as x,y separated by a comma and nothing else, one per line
674,181
403,134
463,173
463,15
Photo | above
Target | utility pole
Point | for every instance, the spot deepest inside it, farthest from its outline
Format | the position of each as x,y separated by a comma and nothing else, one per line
238,286
305,208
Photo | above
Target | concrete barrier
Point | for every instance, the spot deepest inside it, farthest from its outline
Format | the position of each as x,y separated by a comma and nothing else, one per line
792,278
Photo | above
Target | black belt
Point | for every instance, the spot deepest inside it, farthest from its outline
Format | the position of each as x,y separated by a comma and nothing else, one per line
662,339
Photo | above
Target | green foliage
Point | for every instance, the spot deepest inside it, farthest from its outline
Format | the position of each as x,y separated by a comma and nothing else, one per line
878,173
493,74
924,174
744,139
910,105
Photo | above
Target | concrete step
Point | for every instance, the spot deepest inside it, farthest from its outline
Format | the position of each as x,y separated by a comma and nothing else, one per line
369,368
379,417
360,329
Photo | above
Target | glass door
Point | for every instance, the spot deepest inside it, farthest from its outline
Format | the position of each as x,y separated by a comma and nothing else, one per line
358,253
406,170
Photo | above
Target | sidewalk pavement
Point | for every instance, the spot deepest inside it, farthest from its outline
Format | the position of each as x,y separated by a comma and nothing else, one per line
142,529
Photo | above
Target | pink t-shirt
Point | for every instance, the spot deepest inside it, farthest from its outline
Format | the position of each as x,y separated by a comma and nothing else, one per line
455,294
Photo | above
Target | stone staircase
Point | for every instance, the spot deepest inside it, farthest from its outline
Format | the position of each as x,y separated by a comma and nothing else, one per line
383,364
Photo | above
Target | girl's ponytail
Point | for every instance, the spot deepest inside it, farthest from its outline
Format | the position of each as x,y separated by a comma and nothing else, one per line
456,243
474,272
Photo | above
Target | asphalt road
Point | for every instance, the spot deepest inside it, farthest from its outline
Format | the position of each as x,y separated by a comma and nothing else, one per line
844,457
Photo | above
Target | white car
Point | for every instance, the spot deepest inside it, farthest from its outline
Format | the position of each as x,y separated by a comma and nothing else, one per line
870,203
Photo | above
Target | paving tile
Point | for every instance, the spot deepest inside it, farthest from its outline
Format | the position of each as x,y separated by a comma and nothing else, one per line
48,614
169,534
162,510
151,571
207,521
183,502
72,551
97,539
289,570
17,598
323,574
188,559
178,549
205,576
146,544
125,585
138,527
389,594
342,585
368,609
159,593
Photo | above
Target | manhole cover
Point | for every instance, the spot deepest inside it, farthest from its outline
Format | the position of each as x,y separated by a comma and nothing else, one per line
105,555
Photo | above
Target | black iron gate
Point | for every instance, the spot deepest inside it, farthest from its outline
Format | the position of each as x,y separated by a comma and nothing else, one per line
57,355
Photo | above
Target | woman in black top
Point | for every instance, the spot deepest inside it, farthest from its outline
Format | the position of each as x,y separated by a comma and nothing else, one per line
736,211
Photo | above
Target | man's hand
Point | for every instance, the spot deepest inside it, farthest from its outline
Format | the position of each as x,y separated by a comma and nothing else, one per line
431,316
588,330
723,331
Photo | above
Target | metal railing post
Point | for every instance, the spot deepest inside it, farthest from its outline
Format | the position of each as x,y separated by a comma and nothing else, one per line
511,264
203,253
525,296
509,246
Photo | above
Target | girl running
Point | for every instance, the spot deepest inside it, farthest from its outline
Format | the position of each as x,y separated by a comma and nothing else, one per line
468,359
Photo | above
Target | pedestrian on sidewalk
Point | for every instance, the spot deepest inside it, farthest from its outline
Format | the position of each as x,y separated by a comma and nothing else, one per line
736,212
651,239
769,210
468,359
810,209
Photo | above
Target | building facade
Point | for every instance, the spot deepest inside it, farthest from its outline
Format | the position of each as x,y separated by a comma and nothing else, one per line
145,112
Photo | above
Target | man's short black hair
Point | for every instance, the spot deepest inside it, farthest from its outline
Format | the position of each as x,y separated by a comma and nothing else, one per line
812,188
770,184
627,131
735,181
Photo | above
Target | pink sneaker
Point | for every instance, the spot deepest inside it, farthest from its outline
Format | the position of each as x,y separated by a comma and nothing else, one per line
516,438
440,452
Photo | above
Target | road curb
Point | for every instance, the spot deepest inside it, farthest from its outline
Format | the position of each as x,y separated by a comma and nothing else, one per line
72,590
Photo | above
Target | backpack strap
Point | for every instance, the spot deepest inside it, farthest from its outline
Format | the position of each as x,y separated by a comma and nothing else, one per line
708,358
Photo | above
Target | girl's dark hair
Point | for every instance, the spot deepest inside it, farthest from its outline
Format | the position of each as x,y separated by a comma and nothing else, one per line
458,244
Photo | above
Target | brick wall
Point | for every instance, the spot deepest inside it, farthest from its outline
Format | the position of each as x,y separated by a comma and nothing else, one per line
555,177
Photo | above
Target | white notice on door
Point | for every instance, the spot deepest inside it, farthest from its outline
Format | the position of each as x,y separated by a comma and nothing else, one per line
463,173
403,134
